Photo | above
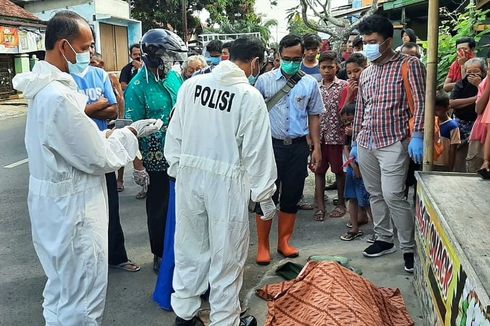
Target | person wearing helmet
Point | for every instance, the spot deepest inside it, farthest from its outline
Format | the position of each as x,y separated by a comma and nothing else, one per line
152,93
215,175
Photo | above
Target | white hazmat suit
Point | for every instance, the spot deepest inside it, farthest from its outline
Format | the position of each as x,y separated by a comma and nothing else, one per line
219,148
68,157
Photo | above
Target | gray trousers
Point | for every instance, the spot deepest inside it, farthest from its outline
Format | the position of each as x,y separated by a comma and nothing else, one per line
384,171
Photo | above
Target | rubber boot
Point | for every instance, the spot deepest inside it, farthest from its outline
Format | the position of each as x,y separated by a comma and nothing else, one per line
286,228
263,248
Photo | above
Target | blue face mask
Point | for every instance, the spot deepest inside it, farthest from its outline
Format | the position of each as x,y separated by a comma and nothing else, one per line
252,79
372,51
82,61
213,61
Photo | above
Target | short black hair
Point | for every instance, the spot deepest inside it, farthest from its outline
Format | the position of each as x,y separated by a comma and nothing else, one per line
227,45
64,24
289,41
410,45
411,34
357,43
357,58
329,56
214,46
246,49
376,24
442,99
311,41
471,41
348,109
134,46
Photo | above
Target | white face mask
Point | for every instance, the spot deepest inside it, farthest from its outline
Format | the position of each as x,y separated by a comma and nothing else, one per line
82,61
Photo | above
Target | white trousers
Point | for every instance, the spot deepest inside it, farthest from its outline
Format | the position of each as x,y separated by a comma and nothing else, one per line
384,172
70,238
211,244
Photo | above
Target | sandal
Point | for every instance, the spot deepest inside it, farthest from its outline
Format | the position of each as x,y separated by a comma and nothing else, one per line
319,215
339,211
128,266
304,205
120,186
349,236
141,195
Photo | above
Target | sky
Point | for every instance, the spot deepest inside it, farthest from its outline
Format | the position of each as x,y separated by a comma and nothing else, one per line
279,13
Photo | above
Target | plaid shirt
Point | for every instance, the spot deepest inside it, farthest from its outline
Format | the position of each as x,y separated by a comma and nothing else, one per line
332,132
382,111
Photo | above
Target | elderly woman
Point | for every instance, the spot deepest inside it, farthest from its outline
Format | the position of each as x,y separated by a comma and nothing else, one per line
194,63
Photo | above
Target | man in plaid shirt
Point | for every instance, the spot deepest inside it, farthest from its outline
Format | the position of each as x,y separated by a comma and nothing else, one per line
382,136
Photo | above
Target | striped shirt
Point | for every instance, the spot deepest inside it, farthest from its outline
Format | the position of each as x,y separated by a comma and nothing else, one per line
289,117
382,111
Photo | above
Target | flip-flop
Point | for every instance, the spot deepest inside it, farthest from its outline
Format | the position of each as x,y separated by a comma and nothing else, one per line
338,212
349,236
128,266
120,186
349,224
319,215
141,195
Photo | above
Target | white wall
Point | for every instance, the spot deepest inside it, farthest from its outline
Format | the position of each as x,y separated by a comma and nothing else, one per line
116,8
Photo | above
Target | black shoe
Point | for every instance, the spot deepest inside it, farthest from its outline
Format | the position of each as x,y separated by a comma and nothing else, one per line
408,257
379,248
157,261
193,322
248,321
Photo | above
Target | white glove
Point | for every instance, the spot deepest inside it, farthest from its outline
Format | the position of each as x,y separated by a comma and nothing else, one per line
269,209
146,127
141,178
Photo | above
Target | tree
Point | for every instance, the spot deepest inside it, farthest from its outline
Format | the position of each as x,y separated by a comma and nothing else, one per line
254,25
338,28
298,27
455,26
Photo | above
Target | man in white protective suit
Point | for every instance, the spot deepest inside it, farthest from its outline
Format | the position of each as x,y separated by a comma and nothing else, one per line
68,157
219,150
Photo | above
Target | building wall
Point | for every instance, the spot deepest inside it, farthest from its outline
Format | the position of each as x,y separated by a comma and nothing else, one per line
115,8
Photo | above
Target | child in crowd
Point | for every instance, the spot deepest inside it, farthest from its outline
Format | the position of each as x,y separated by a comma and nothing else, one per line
354,67
355,192
446,135
463,98
332,136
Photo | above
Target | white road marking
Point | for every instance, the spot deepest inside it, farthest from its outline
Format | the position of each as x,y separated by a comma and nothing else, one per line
15,164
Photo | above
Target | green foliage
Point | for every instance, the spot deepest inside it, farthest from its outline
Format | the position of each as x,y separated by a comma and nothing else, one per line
457,25
297,26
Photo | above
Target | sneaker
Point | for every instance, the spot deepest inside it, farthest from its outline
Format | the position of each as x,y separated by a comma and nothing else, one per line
373,237
408,258
248,321
379,248
193,322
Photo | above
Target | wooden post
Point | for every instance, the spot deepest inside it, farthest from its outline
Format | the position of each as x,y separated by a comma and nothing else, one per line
184,18
430,93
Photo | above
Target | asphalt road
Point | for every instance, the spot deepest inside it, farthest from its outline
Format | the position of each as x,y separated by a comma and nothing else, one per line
129,294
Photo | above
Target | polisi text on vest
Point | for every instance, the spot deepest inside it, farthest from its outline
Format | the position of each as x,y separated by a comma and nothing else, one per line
214,98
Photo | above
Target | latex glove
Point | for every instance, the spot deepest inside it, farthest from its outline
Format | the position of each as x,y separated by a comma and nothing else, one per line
146,127
141,178
269,209
416,149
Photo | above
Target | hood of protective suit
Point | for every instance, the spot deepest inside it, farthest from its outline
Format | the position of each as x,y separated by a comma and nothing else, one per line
229,73
43,73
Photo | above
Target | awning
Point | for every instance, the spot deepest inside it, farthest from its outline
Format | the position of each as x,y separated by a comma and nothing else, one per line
352,11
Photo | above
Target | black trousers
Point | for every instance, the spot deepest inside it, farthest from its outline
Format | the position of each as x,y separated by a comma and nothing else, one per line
117,251
156,210
292,162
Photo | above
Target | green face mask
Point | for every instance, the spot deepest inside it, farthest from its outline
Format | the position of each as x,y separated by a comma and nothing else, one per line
290,67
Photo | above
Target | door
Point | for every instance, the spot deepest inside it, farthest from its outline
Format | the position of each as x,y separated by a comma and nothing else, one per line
114,46
6,75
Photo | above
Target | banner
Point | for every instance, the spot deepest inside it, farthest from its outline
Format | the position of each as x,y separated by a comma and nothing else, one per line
9,40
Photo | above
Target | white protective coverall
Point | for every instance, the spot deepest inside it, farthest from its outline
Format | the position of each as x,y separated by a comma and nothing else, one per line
219,148
68,157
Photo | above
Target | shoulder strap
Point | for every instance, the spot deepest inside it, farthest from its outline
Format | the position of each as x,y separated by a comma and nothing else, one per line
272,101
408,89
